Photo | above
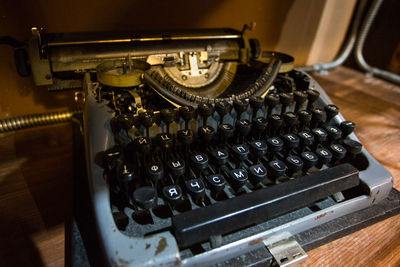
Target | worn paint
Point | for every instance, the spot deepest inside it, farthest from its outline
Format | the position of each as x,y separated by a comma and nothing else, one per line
124,263
148,246
320,216
162,244
253,242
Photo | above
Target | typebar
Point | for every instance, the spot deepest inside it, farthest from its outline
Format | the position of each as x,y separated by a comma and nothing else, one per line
198,225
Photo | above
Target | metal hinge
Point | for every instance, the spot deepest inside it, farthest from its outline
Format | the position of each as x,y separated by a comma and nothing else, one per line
285,249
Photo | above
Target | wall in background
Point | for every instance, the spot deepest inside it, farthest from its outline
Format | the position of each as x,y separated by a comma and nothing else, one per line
382,45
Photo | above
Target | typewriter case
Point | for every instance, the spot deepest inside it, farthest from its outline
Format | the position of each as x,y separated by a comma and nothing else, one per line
64,61
161,248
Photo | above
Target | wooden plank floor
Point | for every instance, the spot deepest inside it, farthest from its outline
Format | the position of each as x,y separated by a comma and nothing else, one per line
35,181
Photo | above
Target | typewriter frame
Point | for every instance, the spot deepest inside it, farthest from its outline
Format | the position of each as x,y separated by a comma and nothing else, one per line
161,248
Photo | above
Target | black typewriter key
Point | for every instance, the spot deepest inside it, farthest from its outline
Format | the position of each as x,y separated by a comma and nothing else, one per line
205,111
147,120
125,121
320,135
331,112
142,144
222,108
334,133
271,101
121,220
259,126
167,116
274,124
294,164
199,161
275,144
283,85
164,140
125,172
172,193
240,106
291,141
225,133
286,100
306,138
219,156
304,119
176,167
302,80
290,120
276,169
338,152
185,136
312,96
257,173
216,182
256,103
125,176
187,113
324,156
318,117
347,128
306,82
145,197
353,147
238,178
111,155
196,189
310,159
206,133
300,98
243,128
240,152
155,171
258,148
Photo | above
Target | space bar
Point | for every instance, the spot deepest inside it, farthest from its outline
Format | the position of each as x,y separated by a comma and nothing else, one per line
198,225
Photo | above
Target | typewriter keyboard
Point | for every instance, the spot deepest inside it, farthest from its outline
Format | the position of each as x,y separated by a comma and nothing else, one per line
208,171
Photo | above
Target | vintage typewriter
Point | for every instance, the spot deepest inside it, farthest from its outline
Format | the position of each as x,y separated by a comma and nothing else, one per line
203,150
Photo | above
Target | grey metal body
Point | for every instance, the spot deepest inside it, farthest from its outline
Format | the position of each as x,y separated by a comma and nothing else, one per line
161,248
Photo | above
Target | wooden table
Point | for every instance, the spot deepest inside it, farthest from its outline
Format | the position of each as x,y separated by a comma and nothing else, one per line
35,181
375,106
